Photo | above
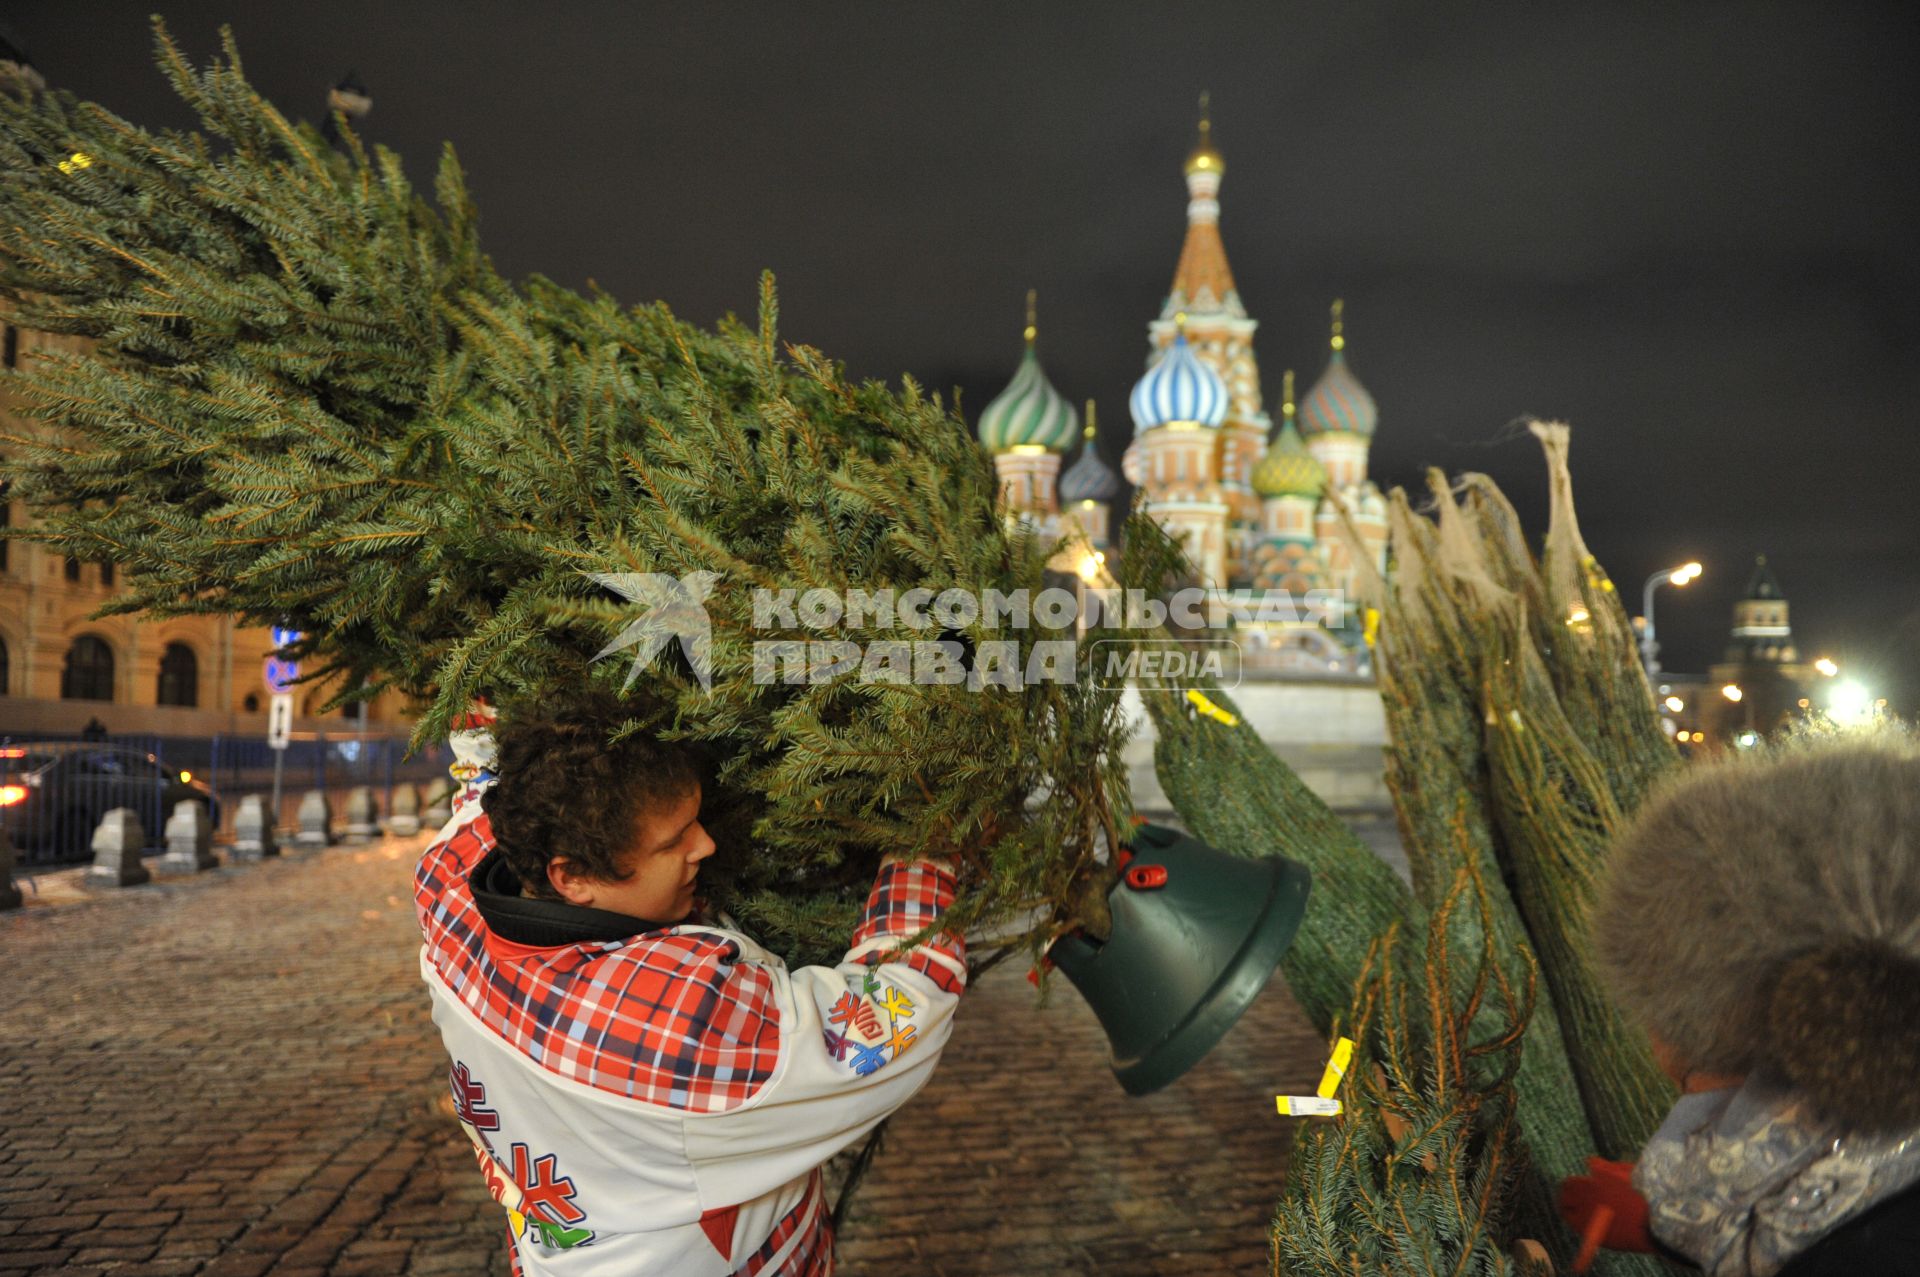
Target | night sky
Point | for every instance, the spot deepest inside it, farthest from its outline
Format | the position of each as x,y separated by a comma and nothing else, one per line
1691,230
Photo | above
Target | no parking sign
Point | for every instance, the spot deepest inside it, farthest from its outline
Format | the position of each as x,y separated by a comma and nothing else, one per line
282,670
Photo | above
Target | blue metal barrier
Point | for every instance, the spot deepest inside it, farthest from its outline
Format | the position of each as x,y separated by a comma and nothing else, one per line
52,822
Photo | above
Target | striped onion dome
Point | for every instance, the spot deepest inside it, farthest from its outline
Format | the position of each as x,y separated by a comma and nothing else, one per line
1288,469
1029,411
1338,402
1088,479
1180,387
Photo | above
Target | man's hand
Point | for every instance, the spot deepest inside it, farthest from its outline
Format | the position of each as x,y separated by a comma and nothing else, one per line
1609,1187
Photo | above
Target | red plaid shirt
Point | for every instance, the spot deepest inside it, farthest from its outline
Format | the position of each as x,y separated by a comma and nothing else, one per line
680,1017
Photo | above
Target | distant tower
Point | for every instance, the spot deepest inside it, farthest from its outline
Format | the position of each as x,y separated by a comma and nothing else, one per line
1337,421
1026,428
1761,660
1221,335
1178,408
1761,633
1087,489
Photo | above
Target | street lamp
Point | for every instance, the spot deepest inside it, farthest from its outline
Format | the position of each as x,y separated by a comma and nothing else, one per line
1648,646
1850,703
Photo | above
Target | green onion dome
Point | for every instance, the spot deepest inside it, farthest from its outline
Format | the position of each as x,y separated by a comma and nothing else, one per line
1288,469
1029,412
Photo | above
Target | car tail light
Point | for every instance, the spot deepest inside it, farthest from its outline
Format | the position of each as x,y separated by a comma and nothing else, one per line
12,794
13,753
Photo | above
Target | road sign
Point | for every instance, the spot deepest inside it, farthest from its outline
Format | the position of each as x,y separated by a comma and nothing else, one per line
281,671
279,720
280,674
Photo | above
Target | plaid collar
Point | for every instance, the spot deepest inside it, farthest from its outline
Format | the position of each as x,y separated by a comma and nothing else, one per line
523,919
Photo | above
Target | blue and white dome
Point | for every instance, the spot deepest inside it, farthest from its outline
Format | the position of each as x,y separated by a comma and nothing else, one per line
1180,387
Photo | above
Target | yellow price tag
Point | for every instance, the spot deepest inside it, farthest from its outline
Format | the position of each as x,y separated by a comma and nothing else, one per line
1306,1106
1336,1068
1200,702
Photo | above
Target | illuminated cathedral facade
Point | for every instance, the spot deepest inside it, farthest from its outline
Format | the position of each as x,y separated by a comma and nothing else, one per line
1255,506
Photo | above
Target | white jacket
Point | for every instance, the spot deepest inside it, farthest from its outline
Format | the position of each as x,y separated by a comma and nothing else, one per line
661,1103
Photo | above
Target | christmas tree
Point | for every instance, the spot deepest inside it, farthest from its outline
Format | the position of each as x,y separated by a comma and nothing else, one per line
312,401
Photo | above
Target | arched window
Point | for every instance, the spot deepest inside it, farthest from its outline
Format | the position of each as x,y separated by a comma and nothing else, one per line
5,672
106,574
88,675
73,568
179,676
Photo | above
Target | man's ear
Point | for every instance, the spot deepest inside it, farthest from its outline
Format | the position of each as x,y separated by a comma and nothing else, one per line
570,886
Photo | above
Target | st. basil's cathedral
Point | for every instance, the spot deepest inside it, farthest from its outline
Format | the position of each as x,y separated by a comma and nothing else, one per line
1253,504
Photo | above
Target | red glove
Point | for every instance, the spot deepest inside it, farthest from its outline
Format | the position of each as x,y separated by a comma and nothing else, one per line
1609,1187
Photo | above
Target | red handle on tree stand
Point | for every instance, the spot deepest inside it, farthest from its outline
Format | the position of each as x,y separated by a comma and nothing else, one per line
1146,877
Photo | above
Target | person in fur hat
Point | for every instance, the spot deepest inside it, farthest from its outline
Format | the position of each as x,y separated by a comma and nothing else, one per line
1761,918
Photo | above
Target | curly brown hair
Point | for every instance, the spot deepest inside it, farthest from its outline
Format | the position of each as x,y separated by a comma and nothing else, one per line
563,791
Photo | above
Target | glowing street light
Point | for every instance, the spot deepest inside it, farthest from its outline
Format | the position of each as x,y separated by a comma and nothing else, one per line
1675,704
1851,703
1649,647
1732,692
1826,667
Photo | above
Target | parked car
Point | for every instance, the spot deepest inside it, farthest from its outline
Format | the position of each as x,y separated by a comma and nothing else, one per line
53,794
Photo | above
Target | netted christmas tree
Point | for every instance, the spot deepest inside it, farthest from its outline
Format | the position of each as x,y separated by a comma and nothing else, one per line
1418,1175
1521,735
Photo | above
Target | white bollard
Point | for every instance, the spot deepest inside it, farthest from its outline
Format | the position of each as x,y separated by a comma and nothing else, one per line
316,820
363,820
403,810
117,844
439,805
189,839
253,836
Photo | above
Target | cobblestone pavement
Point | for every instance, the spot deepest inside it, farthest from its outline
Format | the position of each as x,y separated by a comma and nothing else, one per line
235,1075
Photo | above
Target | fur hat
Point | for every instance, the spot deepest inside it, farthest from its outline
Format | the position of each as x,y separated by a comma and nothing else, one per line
1763,912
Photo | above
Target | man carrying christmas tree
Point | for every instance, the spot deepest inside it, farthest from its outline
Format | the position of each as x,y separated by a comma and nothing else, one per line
648,1091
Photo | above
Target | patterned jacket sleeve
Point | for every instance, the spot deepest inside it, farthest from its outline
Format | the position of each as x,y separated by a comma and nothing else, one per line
858,1039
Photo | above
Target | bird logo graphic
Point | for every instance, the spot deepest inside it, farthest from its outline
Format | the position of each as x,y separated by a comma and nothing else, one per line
676,609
